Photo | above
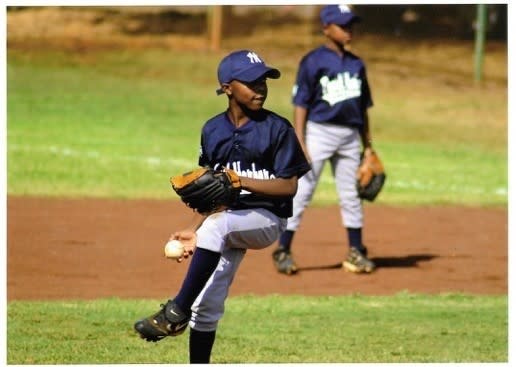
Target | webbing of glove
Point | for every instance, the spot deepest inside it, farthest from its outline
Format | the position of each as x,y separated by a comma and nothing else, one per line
206,190
370,176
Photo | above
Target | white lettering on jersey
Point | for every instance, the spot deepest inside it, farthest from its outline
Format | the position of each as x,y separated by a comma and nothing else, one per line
261,174
253,58
343,87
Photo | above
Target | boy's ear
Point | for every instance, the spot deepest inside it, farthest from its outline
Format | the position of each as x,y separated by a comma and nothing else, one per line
226,88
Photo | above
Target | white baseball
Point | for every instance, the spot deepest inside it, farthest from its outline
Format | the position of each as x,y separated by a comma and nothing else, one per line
174,249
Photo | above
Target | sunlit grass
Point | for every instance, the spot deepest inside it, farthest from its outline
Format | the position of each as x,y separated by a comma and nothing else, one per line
274,329
119,124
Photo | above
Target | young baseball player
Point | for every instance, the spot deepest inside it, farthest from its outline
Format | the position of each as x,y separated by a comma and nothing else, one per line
331,97
263,149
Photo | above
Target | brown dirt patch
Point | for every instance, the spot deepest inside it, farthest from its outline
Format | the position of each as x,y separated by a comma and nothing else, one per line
91,248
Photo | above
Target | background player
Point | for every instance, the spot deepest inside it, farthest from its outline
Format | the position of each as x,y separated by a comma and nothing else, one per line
331,97
263,149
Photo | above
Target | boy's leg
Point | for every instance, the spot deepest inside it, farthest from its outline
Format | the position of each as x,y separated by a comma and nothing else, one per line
201,343
202,265
173,317
208,308
259,230
282,256
344,166
242,228
320,145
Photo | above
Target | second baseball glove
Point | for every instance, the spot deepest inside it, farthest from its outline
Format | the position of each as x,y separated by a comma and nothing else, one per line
207,190
370,175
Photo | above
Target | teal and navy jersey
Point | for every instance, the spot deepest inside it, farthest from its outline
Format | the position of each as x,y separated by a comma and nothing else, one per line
264,148
332,88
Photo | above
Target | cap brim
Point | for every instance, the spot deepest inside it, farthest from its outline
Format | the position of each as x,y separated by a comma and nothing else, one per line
250,75
255,74
273,73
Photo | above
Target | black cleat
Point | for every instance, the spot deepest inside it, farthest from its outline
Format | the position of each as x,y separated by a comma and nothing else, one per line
169,321
357,261
284,262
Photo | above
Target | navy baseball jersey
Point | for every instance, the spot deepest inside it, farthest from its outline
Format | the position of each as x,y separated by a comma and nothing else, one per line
332,88
264,148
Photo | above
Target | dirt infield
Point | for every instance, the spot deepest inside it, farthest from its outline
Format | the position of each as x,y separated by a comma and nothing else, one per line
85,249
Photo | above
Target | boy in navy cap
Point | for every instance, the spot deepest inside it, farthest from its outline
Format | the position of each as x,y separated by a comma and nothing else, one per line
263,149
331,97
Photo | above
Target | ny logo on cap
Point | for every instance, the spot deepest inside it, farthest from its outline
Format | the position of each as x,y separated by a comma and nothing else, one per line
344,9
253,58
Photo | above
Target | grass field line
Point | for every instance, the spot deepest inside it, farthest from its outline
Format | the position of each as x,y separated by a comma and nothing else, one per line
70,152
430,186
327,179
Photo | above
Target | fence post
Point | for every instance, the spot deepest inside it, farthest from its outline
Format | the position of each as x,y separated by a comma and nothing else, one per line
215,26
480,36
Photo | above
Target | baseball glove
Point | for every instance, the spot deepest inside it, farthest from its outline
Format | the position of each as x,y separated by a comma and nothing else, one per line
207,190
370,175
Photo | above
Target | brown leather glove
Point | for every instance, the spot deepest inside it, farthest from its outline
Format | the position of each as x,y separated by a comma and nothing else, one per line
207,190
370,175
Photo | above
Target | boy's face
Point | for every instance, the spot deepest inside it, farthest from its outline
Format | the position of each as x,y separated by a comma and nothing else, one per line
252,95
341,34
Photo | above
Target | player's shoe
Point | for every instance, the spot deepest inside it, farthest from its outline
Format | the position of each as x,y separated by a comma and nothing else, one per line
169,321
357,261
284,262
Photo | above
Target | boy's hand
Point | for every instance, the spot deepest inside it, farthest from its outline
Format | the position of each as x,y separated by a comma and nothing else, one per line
188,239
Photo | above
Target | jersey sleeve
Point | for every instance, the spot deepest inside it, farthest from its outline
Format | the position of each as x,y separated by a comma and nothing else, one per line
303,90
289,159
203,158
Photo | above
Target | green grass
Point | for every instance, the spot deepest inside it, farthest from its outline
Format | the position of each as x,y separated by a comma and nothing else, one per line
80,131
273,329
119,124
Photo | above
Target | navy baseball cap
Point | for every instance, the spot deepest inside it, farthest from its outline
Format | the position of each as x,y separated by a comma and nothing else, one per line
244,66
338,14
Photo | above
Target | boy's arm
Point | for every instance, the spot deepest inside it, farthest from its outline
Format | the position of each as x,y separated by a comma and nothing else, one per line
365,133
300,115
274,187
